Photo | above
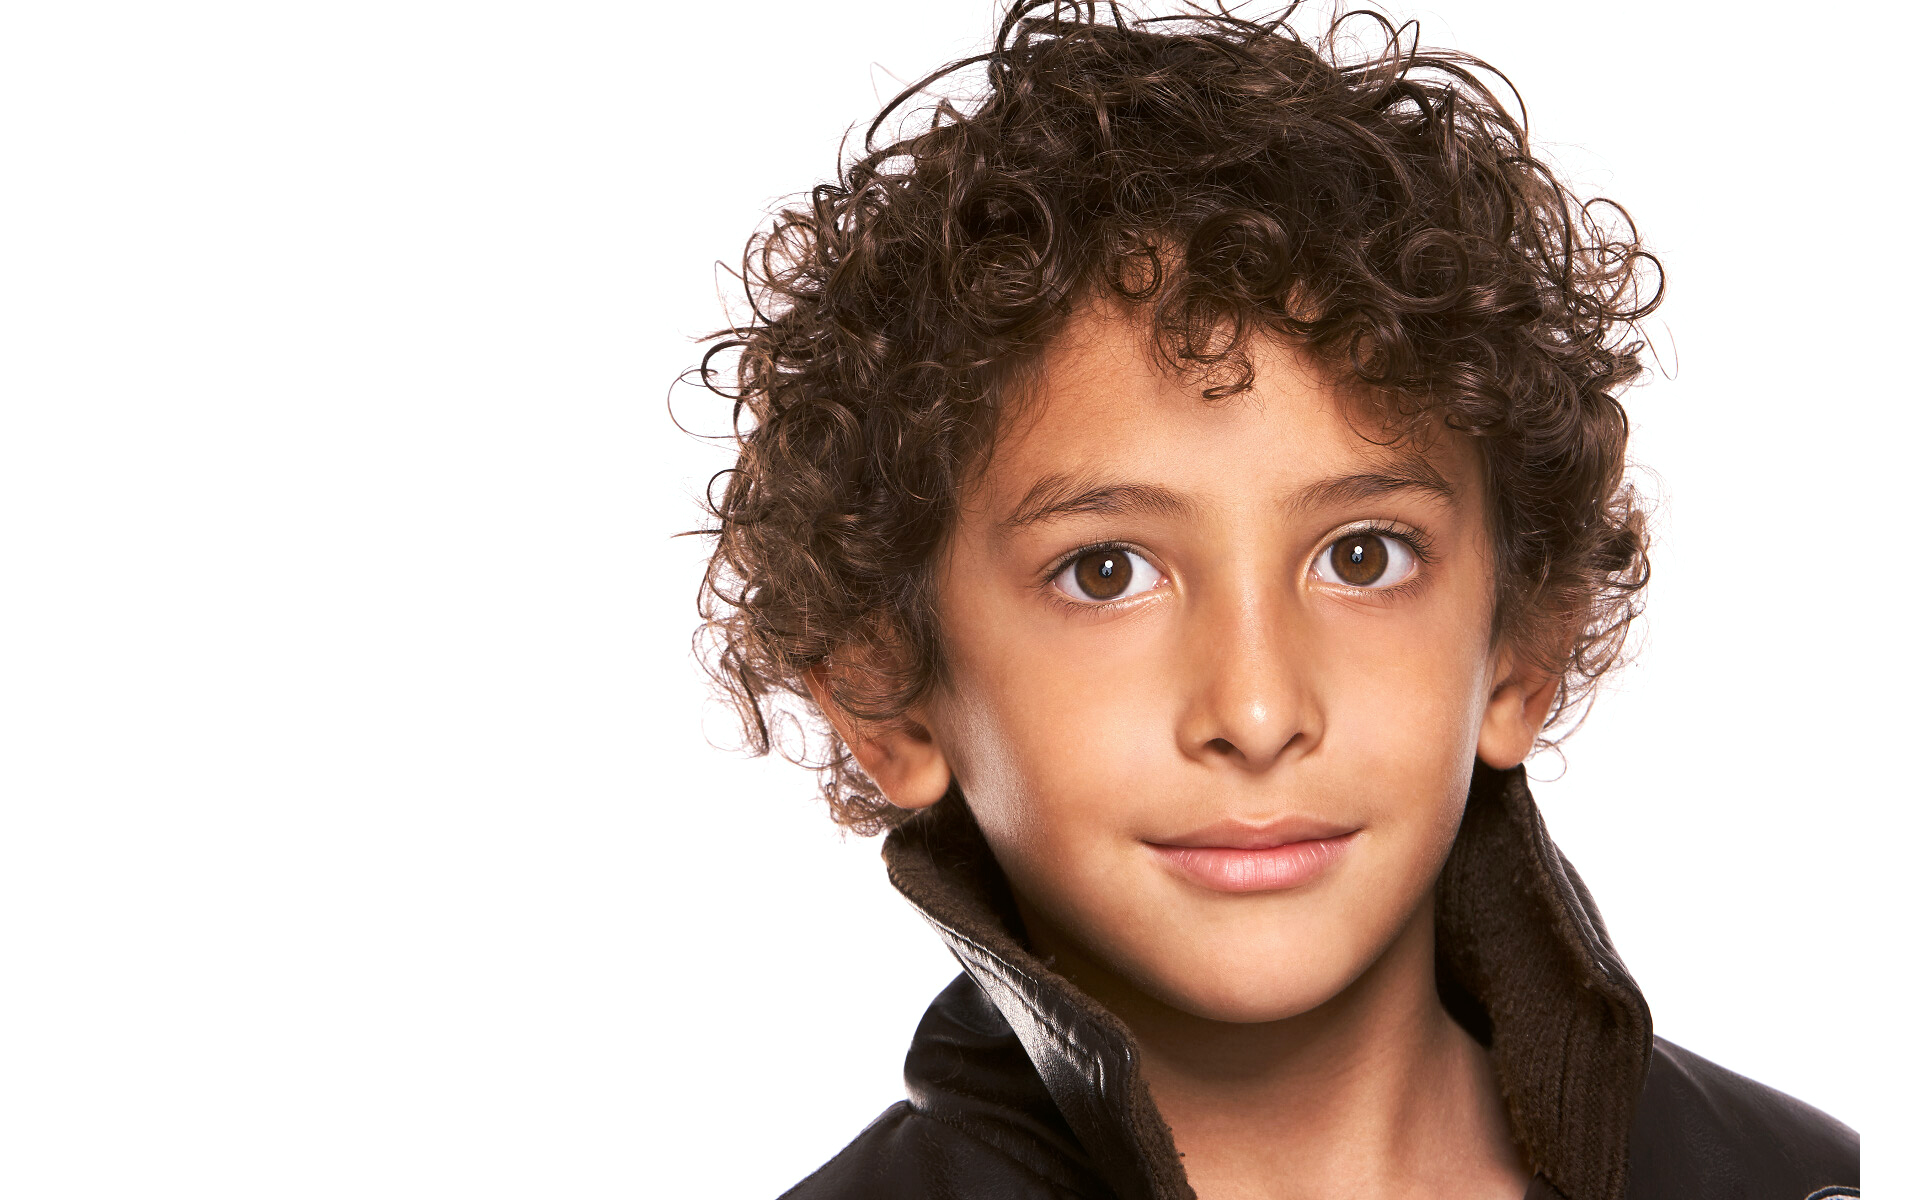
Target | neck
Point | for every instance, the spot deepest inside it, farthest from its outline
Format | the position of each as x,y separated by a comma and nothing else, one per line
1377,1091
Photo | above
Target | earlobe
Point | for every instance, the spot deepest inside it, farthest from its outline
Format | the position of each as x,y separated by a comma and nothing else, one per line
902,757
1516,710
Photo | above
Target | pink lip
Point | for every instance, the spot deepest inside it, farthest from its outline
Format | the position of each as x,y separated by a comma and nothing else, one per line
1236,857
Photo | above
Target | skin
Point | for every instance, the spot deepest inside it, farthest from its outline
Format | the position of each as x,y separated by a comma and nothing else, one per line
1293,1038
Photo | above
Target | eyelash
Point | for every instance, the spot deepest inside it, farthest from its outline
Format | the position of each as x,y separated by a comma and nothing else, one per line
1414,539
1052,573
1417,541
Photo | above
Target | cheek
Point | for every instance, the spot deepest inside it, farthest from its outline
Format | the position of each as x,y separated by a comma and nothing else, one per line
1406,722
1415,687
1415,711
1058,738
1049,745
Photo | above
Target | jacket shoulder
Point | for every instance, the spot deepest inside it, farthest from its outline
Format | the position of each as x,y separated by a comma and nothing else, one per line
1704,1132
907,1153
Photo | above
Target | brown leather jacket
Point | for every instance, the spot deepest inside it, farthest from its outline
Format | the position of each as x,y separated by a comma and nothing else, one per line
1020,1086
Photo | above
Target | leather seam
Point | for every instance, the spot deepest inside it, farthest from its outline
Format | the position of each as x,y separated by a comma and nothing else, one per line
993,964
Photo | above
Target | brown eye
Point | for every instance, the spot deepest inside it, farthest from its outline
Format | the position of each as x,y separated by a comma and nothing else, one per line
1360,559
1364,559
1102,575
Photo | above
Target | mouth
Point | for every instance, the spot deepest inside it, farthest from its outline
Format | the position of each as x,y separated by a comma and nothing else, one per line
1245,858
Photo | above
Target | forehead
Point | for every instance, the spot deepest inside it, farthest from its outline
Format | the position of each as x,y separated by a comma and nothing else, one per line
1100,404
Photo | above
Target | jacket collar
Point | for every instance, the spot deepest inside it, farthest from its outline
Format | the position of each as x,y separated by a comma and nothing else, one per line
1524,961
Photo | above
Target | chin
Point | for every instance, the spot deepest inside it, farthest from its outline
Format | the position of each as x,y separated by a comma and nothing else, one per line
1247,1007
1242,989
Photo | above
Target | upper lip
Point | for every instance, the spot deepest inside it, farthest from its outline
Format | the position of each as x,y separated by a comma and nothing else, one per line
1233,834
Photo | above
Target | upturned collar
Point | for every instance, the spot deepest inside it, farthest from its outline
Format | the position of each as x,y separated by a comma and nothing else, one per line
1523,958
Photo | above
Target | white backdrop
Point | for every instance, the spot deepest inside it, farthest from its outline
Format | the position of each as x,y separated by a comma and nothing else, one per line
361,835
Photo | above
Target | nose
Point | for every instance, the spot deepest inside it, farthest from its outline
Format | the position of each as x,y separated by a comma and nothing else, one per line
1249,702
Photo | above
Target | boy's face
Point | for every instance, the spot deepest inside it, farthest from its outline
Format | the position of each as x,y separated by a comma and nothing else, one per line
1218,675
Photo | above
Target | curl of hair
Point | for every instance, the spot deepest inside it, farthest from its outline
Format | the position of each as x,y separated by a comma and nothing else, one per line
1230,179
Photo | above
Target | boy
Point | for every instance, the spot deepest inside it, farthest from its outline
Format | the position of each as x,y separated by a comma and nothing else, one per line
1189,484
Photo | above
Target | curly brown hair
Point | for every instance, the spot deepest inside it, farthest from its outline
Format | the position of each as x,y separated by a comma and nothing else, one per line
1227,178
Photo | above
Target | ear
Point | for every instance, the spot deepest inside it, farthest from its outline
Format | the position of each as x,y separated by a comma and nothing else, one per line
1517,707
900,756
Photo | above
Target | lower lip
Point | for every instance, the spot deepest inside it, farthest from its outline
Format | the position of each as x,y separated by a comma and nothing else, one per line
1274,869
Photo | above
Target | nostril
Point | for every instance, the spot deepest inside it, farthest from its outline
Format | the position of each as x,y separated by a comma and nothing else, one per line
1223,746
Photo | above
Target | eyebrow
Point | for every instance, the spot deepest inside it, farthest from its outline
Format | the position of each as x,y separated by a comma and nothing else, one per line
1054,496
1410,473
